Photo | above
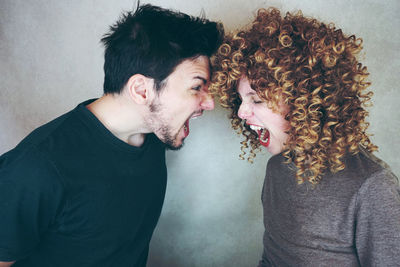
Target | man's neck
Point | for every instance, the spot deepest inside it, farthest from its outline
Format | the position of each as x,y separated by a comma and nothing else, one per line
121,117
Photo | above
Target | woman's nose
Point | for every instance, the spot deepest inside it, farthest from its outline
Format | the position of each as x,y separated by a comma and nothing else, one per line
244,111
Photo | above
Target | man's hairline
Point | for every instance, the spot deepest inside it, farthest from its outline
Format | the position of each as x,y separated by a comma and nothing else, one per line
164,82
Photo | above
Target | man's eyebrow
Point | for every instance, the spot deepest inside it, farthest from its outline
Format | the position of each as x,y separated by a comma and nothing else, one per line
201,78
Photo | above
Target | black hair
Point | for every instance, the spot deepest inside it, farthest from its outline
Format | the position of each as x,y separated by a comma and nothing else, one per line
152,41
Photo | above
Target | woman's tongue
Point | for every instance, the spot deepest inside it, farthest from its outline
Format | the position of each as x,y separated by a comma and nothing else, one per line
263,137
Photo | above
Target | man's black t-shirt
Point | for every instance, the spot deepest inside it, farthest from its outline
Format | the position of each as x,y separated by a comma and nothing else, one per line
72,194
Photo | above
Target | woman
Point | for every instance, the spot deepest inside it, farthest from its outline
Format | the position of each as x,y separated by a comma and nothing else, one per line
295,86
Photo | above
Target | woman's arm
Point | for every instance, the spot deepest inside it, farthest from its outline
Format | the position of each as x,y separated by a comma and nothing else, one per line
377,236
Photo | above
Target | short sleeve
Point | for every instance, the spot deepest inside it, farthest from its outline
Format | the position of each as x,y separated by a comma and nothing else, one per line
31,196
377,234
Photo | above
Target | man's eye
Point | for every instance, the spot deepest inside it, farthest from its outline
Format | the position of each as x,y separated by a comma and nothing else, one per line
196,88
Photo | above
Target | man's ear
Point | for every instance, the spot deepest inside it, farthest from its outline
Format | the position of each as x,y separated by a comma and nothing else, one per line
140,88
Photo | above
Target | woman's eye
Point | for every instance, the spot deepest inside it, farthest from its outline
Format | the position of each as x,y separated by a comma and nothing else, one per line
257,101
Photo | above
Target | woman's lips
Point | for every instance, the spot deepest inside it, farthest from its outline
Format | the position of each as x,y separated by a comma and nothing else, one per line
263,134
263,137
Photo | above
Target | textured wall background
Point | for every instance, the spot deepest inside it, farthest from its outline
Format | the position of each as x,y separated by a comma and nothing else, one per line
51,60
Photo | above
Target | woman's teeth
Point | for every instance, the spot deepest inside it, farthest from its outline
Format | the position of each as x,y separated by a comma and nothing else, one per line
255,128
263,134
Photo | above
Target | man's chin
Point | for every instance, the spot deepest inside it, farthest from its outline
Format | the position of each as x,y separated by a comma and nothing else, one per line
171,145
174,148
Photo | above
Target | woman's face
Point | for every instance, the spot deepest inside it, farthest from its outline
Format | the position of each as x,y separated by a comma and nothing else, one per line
270,126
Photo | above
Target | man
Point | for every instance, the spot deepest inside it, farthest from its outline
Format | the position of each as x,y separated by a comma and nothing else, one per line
87,188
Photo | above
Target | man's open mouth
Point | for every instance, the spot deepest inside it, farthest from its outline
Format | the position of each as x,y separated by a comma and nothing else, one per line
186,124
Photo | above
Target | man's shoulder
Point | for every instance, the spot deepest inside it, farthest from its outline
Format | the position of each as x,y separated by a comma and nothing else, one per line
28,167
57,135
43,132
35,151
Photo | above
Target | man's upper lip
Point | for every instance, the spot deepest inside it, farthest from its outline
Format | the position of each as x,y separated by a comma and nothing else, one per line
197,114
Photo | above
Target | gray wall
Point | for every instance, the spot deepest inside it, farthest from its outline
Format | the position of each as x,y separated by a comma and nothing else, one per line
51,59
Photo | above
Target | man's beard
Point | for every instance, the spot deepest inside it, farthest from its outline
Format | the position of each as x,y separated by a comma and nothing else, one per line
164,130
168,140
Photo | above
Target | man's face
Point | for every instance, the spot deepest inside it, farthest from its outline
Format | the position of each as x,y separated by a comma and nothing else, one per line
184,96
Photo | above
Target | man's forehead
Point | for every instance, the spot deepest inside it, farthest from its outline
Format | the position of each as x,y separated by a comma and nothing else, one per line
196,69
200,61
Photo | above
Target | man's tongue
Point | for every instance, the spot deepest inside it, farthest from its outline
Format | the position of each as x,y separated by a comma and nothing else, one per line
186,128
263,137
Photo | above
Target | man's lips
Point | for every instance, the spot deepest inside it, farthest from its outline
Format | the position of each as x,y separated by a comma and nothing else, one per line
186,124
186,128
196,114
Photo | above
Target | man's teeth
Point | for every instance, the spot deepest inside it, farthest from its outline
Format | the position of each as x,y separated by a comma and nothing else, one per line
195,116
255,128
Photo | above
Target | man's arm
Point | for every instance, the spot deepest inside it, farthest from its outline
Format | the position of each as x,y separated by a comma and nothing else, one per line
6,264
30,197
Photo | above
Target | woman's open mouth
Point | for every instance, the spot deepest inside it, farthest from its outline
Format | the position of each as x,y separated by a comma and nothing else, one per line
263,134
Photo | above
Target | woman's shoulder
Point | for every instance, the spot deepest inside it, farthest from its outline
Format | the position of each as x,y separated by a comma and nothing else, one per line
370,167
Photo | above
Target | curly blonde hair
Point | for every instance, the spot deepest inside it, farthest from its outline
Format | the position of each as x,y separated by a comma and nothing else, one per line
312,68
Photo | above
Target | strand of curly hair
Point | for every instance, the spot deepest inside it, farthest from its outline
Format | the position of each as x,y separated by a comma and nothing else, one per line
312,68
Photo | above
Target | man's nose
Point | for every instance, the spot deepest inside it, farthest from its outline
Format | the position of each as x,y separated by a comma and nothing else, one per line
244,112
207,102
